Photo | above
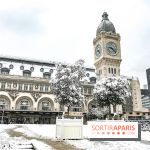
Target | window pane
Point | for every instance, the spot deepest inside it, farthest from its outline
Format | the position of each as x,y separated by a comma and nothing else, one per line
26,87
41,88
3,84
31,87
46,88
20,87
46,106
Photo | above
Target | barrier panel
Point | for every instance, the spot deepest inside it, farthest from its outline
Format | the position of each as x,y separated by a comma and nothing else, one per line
69,128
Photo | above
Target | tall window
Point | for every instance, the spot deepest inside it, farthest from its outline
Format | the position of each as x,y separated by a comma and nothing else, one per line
46,106
3,85
20,87
31,87
9,85
46,88
41,88
3,104
109,70
26,87
112,70
24,105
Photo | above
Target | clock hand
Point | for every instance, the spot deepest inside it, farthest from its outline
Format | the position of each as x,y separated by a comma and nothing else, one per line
112,50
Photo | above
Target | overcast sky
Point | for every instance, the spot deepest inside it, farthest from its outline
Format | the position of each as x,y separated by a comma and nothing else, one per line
63,30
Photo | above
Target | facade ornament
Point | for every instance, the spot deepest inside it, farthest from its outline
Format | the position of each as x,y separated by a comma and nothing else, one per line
36,96
13,94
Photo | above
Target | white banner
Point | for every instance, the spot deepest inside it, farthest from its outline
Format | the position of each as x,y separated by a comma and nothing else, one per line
112,129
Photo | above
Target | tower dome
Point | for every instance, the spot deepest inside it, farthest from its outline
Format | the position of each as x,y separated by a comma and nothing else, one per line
105,25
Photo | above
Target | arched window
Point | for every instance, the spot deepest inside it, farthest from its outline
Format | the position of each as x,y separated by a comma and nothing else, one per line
45,105
4,104
24,104
46,75
26,73
93,79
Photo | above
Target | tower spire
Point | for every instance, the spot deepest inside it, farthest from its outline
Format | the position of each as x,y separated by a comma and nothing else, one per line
105,16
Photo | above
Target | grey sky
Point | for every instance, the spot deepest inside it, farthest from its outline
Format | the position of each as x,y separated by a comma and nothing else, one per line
63,30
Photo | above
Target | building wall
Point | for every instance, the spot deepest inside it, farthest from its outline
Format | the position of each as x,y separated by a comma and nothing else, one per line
148,78
36,88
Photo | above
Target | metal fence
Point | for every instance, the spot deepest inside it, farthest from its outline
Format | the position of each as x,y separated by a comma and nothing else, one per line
145,124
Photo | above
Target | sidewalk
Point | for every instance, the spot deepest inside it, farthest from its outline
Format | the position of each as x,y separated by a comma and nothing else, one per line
52,144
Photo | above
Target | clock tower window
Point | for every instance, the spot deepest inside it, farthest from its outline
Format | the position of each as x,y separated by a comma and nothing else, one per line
109,70
114,70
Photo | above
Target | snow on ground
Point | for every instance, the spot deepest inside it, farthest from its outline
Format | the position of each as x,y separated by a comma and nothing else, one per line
111,145
40,145
144,144
38,130
145,135
48,132
17,143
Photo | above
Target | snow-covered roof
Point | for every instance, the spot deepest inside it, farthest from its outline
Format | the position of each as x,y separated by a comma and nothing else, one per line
37,67
27,60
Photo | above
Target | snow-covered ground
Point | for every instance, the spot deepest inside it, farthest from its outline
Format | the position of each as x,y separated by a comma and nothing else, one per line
48,132
16,143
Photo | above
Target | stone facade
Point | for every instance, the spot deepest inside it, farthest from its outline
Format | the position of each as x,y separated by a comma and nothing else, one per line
26,95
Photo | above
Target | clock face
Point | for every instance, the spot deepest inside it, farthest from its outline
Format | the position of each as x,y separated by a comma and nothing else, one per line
111,48
98,51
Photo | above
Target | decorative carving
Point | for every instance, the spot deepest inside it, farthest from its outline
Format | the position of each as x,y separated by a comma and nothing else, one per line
13,94
36,96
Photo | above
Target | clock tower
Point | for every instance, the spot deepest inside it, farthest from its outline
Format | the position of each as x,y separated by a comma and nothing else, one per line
107,51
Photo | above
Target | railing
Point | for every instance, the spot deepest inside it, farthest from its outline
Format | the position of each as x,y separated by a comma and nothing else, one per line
145,124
